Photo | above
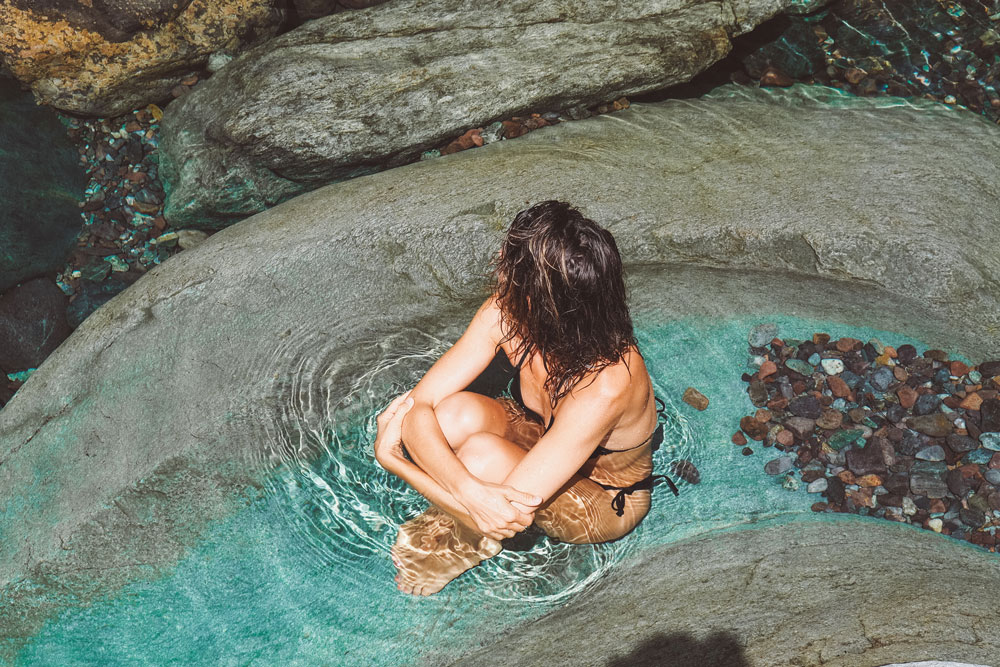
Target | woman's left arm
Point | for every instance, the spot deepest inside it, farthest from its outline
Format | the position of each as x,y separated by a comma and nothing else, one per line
584,421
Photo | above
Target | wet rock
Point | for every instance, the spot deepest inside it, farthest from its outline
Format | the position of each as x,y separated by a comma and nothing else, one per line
932,453
832,366
830,419
799,366
961,443
937,425
972,518
41,183
957,483
758,393
739,439
805,406
762,334
686,470
32,324
872,458
881,379
753,428
989,369
927,404
990,441
695,398
835,491
989,411
838,387
818,485
800,426
778,466
927,479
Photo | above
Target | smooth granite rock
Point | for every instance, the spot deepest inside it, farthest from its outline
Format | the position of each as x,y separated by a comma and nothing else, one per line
159,402
762,598
357,92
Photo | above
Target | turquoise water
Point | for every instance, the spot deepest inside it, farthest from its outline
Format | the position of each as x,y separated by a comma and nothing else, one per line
302,576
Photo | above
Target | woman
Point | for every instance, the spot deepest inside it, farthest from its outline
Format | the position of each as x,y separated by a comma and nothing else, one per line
575,457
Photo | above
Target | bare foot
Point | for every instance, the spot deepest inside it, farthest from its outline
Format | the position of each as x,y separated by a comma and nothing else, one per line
433,549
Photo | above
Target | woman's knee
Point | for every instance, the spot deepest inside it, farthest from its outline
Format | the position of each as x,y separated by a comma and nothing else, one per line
462,415
489,457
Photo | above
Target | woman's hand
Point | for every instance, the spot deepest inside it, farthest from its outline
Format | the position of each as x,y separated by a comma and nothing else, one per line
388,440
490,507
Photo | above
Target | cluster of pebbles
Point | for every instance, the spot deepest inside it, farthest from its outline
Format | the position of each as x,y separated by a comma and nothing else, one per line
880,431
949,54
520,125
123,233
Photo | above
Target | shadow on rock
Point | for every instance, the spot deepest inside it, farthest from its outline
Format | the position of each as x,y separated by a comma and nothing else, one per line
721,649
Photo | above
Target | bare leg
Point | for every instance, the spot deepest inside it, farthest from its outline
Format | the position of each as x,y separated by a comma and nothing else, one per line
434,548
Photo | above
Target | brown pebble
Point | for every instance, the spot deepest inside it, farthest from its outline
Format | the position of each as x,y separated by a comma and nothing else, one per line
854,75
900,373
821,338
180,91
847,344
819,507
869,481
779,403
936,355
971,402
762,415
695,398
786,438
907,396
838,387
830,419
857,415
937,506
739,439
958,368
767,369
846,476
189,80
747,451
753,428
772,76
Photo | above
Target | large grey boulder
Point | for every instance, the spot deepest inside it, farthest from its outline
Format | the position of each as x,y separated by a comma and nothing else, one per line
357,92
800,201
820,593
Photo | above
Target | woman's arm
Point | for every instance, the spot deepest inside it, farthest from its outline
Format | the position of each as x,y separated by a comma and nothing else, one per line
585,418
488,505
389,454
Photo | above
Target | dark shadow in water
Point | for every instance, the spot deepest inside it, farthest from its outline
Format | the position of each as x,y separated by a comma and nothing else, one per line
720,649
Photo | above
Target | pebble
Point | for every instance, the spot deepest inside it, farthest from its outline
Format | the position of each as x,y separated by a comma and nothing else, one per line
778,466
686,470
739,439
990,440
695,398
762,334
935,524
932,453
790,483
799,366
905,426
817,485
832,366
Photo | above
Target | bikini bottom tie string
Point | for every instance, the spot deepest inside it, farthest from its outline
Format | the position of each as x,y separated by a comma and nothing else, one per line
618,502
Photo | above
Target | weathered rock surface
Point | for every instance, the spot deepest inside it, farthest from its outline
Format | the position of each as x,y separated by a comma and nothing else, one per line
32,323
40,184
106,58
357,92
718,205
764,597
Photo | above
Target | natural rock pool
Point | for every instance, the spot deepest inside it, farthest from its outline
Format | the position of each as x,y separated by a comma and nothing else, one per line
302,573
187,475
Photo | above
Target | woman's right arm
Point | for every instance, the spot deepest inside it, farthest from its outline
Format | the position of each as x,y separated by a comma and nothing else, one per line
488,504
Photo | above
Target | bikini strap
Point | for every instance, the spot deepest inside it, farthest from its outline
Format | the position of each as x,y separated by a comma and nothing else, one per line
618,502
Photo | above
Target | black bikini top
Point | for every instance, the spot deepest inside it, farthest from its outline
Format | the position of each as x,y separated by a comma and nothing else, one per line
656,437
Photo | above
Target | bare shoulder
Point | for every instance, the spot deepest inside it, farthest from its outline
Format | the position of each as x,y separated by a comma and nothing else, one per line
487,318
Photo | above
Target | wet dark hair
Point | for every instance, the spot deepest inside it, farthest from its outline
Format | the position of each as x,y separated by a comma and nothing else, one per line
560,286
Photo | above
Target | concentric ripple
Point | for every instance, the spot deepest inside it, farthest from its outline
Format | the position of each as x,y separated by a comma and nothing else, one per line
344,509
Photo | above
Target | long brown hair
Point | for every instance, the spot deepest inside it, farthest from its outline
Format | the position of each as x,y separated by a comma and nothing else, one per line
560,286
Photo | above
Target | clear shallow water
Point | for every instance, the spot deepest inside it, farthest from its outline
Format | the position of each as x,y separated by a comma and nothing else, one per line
303,576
